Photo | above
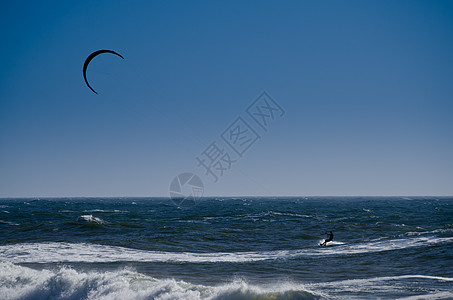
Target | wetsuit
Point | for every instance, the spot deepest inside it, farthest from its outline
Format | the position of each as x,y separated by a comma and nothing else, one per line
329,239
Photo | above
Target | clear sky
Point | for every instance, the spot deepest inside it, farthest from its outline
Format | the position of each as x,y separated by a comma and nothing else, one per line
366,87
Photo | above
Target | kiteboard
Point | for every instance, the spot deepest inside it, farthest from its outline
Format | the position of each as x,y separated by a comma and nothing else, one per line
330,244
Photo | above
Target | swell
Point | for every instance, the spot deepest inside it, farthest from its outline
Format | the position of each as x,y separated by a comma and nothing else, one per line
17,282
91,253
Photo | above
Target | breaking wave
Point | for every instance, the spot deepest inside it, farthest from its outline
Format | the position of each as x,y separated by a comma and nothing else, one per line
90,219
17,282
91,253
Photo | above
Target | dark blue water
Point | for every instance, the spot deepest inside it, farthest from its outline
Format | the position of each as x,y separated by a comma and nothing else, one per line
226,248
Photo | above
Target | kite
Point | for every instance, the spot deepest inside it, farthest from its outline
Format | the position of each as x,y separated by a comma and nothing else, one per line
89,58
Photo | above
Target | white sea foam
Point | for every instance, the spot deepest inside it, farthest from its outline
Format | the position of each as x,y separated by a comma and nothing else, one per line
432,296
9,223
91,219
288,214
387,278
105,211
441,230
388,285
17,282
84,252
331,243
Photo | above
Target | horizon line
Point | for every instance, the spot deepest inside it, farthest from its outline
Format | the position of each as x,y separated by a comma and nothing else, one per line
223,196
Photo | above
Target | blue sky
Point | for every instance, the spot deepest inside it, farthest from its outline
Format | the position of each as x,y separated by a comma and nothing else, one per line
365,85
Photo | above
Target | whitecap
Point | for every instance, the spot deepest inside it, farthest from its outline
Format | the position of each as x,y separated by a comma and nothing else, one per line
65,283
84,252
9,223
91,219
384,285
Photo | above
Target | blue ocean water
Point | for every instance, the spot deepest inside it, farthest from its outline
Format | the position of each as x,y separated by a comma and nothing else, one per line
227,248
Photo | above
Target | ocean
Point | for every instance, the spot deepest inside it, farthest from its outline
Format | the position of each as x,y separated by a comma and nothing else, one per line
227,248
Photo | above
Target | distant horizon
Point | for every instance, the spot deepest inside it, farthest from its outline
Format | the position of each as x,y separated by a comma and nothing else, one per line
217,196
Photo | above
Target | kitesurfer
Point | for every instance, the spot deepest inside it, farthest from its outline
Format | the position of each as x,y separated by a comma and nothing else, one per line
330,238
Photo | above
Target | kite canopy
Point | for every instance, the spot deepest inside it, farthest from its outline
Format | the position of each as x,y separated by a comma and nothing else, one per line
89,58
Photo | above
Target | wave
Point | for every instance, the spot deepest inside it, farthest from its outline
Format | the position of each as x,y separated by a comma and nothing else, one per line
90,253
432,296
383,278
416,233
91,220
420,286
106,210
9,223
441,230
17,282
267,215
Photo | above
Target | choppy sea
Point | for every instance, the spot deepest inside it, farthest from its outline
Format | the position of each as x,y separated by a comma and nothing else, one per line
227,248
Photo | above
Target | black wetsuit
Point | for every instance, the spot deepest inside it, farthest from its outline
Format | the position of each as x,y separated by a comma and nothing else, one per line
329,239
